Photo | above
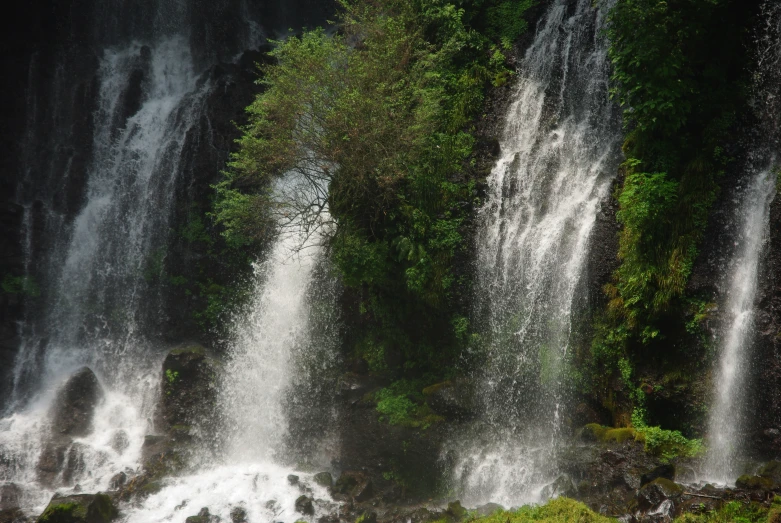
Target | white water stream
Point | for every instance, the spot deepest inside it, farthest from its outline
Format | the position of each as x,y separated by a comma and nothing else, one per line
98,300
559,154
725,438
728,416
257,380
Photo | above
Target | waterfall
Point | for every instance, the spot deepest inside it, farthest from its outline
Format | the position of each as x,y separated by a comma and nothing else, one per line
100,252
728,416
270,340
559,154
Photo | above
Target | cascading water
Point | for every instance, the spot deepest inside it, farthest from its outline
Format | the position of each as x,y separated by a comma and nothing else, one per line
726,432
100,310
559,153
264,366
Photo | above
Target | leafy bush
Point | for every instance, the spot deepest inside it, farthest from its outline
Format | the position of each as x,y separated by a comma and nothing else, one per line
373,127
560,510
669,444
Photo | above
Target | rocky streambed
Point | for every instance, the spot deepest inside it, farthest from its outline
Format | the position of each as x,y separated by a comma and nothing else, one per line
609,470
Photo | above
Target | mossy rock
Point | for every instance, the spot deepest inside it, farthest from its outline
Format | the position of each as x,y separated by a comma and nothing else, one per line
84,508
196,349
596,432
153,487
748,482
772,470
456,511
324,479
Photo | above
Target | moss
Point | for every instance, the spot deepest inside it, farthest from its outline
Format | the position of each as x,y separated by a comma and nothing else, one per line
560,510
433,389
101,509
732,512
153,487
754,482
78,509
63,513
195,348
597,432
670,488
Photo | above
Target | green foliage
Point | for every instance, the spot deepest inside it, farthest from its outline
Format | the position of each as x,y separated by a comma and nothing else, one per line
679,103
731,512
171,376
374,125
668,444
559,510
22,285
679,106
402,404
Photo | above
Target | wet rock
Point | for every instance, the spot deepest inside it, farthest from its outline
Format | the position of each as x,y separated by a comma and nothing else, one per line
120,441
455,510
324,479
13,515
771,470
75,405
292,480
663,513
203,517
10,496
749,482
651,495
74,463
452,399
353,485
238,515
82,508
304,506
666,471
188,393
367,517
117,481
50,462
488,509
562,486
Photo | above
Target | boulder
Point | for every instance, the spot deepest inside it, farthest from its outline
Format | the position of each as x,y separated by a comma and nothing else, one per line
203,517
188,393
238,515
562,486
13,515
120,441
324,479
75,405
81,508
117,481
651,495
749,482
304,506
10,496
772,470
455,511
352,485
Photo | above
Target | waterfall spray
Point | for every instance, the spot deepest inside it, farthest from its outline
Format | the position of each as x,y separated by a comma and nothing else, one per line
559,153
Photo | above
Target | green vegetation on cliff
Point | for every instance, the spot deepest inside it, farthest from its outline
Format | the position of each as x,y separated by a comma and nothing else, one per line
374,128
679,105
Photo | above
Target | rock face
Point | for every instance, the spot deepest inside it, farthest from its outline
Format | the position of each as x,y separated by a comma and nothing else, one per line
188,389
9,496
75,405
84,508
72,417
